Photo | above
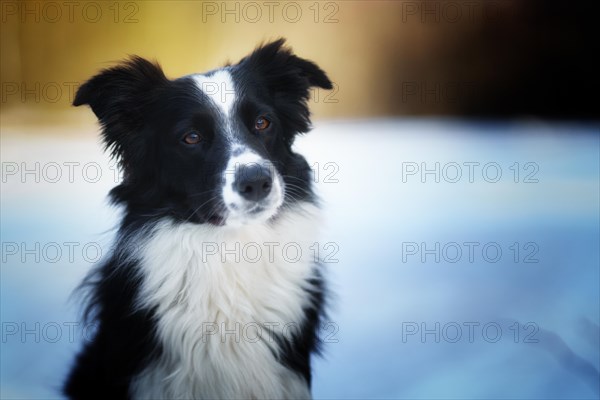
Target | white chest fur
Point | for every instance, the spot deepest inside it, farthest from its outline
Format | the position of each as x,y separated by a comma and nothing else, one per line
217,290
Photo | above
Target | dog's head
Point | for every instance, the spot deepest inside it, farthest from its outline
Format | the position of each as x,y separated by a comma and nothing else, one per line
209,148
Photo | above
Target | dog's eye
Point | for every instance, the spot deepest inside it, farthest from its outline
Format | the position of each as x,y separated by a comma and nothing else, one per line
261,123
192,138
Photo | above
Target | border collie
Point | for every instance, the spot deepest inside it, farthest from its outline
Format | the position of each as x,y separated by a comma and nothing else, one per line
212,290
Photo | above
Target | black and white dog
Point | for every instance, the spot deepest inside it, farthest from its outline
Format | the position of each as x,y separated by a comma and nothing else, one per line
198,300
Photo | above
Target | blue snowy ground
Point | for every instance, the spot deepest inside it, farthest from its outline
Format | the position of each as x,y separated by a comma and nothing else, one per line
425,305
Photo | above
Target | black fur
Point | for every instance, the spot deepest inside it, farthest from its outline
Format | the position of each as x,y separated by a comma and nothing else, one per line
144,116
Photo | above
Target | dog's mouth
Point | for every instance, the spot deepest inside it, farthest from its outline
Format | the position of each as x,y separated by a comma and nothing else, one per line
215,214
220,218
217,220
237,213
257,209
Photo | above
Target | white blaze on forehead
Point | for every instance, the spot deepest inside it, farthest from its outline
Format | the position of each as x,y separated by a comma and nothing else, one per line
218,86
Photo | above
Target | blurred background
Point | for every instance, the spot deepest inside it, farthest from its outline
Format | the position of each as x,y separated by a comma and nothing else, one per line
476,58
453,125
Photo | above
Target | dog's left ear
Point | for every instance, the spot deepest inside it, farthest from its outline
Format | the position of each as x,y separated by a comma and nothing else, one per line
315,75
288,78
276,61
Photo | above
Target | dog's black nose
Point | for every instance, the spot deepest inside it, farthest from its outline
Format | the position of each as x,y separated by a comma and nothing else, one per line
253,181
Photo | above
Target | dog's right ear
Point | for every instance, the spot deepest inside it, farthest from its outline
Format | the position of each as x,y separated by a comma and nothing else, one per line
118,95
118,86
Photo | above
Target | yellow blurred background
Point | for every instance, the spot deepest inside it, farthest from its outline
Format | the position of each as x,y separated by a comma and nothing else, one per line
424,57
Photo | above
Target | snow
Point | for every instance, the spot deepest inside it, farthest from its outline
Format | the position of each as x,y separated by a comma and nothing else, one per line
384,219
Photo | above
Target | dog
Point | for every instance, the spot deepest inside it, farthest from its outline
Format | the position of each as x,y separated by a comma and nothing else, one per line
211,289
